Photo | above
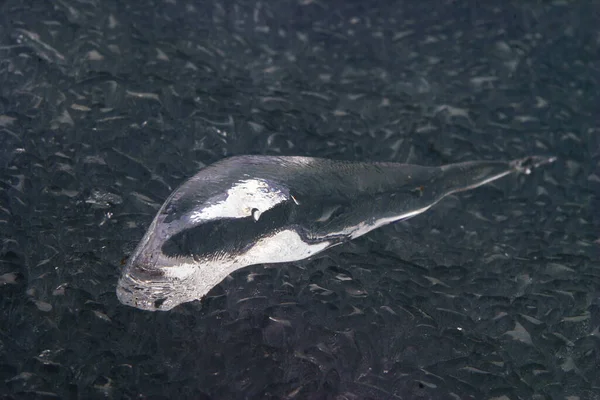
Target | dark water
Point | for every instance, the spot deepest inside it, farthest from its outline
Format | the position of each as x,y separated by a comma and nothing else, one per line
105,107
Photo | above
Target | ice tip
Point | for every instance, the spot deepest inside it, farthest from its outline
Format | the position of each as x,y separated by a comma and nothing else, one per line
527,164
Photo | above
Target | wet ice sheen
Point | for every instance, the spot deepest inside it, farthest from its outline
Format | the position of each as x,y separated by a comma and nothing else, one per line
258,209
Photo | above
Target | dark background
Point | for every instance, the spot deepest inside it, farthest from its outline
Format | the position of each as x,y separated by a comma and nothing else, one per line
491,294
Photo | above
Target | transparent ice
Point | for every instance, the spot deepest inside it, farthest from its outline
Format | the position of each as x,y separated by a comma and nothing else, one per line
250,210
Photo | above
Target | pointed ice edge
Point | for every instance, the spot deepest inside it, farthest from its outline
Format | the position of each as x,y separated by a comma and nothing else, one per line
527,164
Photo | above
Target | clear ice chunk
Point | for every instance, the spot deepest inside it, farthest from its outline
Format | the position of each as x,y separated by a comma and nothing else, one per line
250,210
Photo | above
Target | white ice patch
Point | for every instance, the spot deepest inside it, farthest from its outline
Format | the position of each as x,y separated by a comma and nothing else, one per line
241,199
364,227
180,271
284,246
